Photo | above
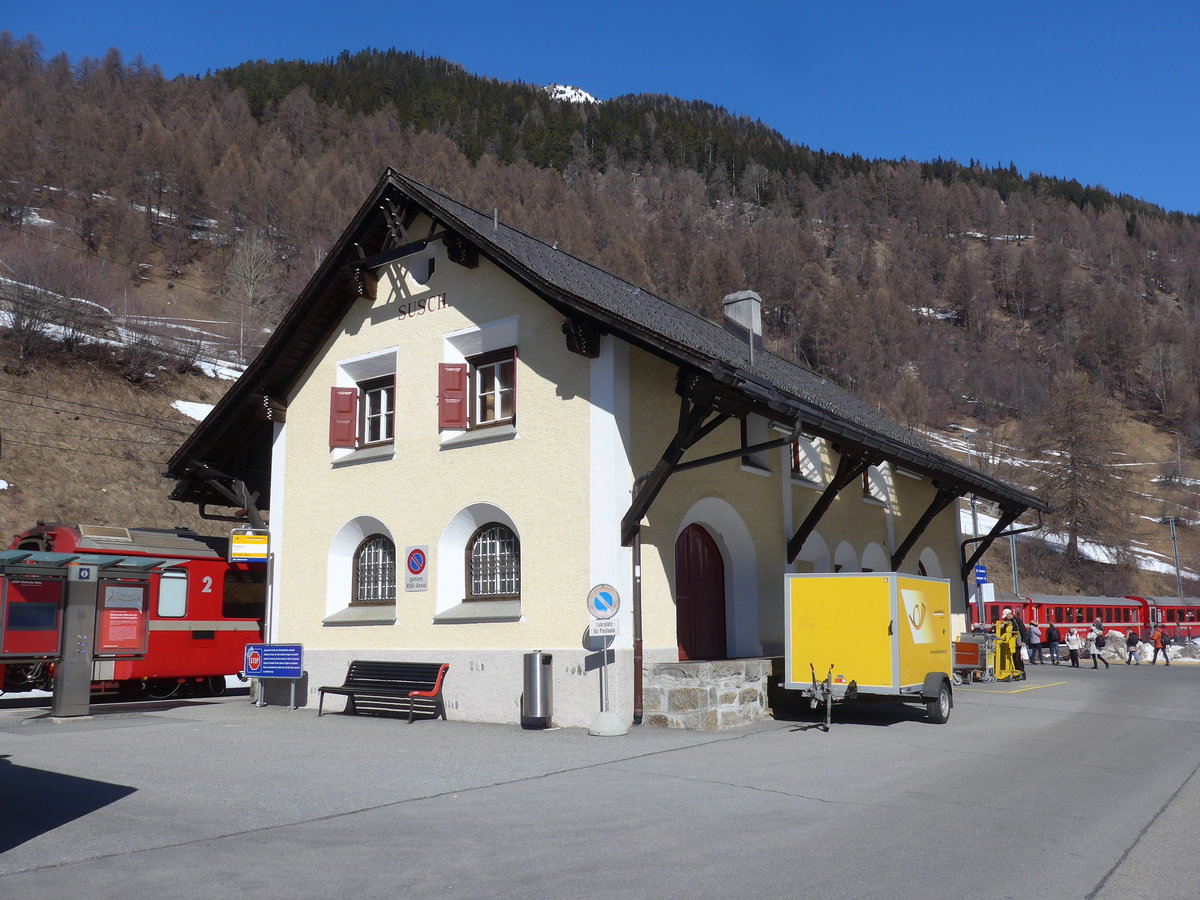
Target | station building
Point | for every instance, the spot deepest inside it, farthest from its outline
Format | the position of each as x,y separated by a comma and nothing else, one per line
458,431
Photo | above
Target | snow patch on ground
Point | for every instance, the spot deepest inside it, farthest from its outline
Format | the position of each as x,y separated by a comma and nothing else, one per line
192,410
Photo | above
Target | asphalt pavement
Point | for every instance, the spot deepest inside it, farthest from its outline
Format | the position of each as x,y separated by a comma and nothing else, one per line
1074,783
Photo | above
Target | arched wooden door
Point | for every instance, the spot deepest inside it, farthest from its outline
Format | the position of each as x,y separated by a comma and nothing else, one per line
699,595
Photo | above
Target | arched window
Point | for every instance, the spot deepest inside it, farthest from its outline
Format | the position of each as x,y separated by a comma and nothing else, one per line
493,564
374,572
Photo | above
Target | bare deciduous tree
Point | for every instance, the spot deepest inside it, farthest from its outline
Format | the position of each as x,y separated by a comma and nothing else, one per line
1076,455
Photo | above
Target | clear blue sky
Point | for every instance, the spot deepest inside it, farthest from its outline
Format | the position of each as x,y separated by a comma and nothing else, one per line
1104,91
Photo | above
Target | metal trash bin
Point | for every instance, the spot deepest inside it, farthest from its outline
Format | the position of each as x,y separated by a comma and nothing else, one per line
537,696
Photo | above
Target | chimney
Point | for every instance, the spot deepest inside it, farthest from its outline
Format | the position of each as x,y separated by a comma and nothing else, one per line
743,318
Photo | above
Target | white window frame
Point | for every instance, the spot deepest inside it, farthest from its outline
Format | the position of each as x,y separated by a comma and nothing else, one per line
755,430
356,372
473,343
875,485
381,416
805,461
502,384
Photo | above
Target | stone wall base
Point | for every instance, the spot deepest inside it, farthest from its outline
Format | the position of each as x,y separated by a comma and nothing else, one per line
706,696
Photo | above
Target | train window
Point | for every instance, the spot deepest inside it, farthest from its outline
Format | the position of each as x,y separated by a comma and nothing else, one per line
172,594
245,594
1058,614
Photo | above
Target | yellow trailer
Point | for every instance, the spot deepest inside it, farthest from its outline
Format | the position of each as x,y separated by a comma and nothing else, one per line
870,635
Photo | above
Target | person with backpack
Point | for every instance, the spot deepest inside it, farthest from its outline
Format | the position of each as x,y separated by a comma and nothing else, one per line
1131,644
1052,638
1160,644
1096,642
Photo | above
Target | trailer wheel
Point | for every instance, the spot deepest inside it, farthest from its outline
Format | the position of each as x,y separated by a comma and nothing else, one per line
939,707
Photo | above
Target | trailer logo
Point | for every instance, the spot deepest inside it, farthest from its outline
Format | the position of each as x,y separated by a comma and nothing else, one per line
920,623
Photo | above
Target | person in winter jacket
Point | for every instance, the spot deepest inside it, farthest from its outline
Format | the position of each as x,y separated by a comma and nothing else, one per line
1074,645
1022,637
1160,645
1051,637
1035,644
1096,642
1131,644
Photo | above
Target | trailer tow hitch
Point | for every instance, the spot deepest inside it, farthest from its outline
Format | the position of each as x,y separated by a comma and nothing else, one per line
822,692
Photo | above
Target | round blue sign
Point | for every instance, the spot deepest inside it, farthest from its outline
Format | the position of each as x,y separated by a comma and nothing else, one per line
603,601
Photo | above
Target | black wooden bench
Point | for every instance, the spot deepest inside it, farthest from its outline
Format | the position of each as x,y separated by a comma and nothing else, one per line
377,686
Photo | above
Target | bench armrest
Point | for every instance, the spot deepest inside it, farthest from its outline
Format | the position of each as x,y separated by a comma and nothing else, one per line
437,685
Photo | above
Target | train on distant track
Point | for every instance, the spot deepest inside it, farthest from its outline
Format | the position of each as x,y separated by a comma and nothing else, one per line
203,611
1178,616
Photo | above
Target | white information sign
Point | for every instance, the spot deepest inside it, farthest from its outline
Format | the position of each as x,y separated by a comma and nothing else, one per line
416,574
602,628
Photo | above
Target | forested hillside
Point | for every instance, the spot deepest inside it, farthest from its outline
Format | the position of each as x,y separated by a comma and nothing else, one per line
944,293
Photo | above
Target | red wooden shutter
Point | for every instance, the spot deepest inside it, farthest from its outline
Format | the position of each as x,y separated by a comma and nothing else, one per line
452,395
343,417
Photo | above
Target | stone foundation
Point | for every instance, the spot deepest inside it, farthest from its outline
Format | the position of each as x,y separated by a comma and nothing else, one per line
706,696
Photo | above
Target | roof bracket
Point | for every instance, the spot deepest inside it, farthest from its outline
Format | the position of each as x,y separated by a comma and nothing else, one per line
1007,517
695,407
943,498
583,337
235,490
461,251
850,469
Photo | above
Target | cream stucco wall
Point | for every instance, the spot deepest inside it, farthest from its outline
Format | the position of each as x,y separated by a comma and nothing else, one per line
540,479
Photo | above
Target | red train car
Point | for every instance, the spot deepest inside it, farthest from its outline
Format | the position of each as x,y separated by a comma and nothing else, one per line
1077,613
203,610
1179,616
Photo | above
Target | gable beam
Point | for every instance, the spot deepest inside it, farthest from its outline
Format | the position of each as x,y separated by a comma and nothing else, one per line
393,220
850,469
943,498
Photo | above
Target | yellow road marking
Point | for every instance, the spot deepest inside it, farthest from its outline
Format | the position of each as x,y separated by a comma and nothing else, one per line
1032,687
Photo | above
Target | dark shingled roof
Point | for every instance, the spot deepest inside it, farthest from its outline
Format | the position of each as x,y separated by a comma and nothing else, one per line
615,305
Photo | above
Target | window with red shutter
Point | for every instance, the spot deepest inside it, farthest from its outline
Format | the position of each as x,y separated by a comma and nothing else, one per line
343,417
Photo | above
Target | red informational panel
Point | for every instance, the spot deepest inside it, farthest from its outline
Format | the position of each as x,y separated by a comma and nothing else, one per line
32,615
122,619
